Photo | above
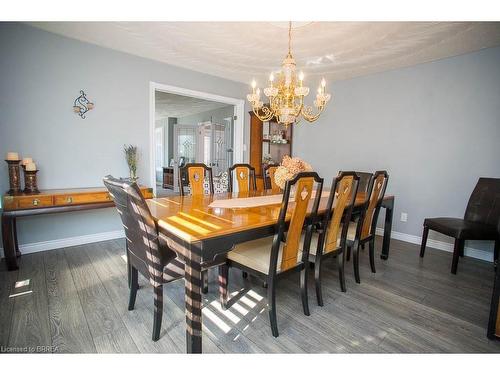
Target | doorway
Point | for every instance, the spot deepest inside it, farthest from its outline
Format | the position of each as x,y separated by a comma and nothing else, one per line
190,127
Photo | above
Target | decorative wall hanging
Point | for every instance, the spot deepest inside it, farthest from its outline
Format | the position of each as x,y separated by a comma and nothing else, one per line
82,105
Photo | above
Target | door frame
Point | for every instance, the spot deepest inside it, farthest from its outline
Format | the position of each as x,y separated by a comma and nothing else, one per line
162,135
238,126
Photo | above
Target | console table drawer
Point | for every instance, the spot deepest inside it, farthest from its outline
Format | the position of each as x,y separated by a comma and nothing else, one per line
34,202
68,199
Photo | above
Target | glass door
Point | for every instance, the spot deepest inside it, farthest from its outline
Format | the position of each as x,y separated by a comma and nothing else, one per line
216,148
185,148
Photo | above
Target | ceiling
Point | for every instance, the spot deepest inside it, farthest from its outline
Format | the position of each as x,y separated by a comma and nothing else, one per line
242,50
171,105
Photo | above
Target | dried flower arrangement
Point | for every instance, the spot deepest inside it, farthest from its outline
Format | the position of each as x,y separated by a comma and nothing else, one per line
131,157
288,170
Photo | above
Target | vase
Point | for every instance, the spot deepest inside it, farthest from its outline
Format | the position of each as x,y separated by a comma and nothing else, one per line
133,175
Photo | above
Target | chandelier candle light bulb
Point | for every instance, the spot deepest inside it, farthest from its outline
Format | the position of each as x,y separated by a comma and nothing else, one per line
286,95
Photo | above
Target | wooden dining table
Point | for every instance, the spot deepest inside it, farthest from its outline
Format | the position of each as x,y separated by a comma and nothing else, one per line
202,235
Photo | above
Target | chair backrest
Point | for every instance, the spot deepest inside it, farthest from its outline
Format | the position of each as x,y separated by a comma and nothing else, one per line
484,202
245,176
374,196
304,187
194,175
364,180
140,228
268,173
342,195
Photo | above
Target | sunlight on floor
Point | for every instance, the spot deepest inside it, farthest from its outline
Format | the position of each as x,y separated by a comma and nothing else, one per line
20,294
216,320
22,283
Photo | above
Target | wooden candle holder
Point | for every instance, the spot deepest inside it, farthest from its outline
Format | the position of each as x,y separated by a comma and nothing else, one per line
30,183
14,177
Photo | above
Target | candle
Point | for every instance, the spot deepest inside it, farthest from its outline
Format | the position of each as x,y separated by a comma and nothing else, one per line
26,161
301,76
31,166
12,156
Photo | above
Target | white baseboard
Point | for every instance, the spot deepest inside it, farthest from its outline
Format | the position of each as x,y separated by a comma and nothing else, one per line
97,237
440,245
67,242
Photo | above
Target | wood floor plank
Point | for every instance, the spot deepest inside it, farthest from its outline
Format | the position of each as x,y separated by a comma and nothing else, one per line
102,317
7,280
68,325
409,306
30,316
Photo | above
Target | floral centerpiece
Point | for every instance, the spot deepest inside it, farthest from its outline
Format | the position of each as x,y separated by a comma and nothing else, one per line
288,169
131,157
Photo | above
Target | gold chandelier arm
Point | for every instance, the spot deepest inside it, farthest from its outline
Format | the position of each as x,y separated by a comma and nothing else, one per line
300,107
307,113
265,116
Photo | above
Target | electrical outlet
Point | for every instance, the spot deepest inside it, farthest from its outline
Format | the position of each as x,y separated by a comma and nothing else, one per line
404,217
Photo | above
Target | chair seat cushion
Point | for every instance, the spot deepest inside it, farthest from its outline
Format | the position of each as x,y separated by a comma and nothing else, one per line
462,229
256,254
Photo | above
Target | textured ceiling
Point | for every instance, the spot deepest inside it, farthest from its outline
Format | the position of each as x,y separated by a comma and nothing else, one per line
242,50
171,105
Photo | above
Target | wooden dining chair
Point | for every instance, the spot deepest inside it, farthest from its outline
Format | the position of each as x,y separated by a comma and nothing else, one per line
363,230
330,239
194,175
271,258
147,251
364,180
245,177
268,171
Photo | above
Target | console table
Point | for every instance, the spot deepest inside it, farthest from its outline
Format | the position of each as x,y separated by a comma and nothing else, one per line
48,202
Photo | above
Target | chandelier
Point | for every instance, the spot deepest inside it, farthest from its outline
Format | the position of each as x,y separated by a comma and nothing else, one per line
286,93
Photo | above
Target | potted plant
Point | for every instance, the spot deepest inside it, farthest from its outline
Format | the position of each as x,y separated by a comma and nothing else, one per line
131,157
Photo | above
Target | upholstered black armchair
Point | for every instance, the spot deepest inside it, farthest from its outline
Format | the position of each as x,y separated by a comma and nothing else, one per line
481,221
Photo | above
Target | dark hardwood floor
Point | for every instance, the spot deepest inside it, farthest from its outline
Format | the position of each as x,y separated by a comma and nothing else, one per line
78,303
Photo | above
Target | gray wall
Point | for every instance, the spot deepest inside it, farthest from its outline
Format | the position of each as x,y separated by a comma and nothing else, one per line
216,114
435,127
40,76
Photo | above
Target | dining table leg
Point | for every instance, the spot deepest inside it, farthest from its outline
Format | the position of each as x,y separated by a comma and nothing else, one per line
193,301
388,204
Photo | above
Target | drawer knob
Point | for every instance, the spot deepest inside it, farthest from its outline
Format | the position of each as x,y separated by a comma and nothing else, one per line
35,202
69,200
